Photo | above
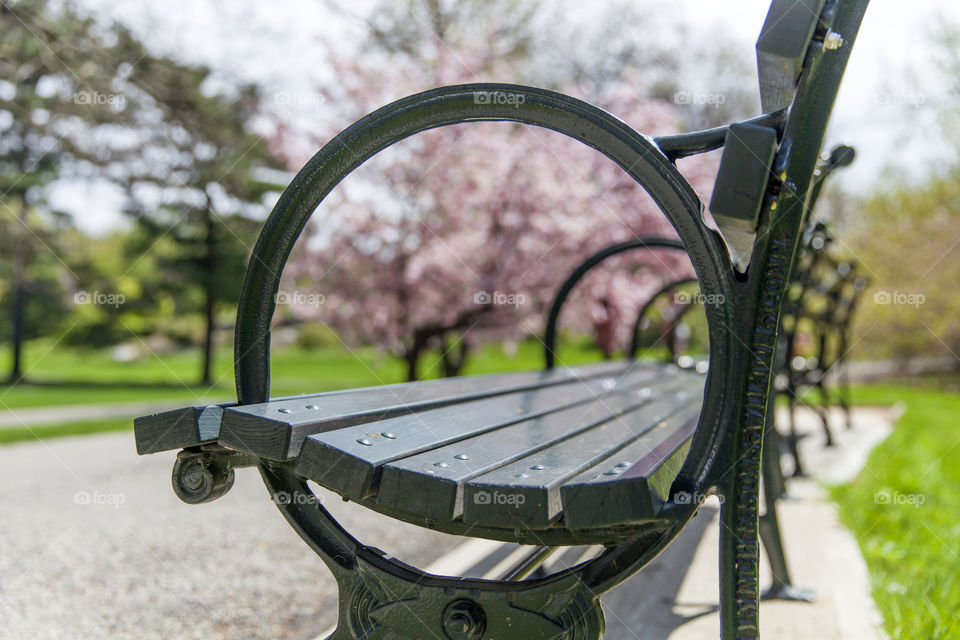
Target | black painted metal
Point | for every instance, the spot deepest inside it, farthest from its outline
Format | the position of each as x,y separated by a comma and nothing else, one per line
644,314
550,335
767,278
823,294
632,151
682,145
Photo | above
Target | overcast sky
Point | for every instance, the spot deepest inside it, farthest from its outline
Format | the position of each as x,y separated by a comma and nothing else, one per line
886,108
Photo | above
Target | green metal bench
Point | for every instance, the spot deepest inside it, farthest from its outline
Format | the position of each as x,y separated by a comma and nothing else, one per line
620,455
820,305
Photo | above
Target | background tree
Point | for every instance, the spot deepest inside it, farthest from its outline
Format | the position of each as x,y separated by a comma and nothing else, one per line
89,100
906,236
209,198
54,95
462,234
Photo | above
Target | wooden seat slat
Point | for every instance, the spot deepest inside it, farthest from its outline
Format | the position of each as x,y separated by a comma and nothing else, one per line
608,495
275,430
520,494
347,460
431,483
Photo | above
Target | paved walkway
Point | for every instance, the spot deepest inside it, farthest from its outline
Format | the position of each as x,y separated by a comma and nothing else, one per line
39,416
96,545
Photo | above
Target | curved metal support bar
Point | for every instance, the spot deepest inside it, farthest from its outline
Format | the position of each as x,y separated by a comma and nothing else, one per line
550,336
635,334
635,153
371,583
841,156
725,452
360,569
682,145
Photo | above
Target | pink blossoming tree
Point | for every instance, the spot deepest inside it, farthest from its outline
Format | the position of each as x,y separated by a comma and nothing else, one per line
464,234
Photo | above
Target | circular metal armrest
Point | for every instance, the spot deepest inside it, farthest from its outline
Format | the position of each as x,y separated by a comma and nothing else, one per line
363,573
550,337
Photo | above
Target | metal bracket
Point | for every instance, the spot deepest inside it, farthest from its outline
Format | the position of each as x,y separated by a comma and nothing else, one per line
782,47
205,473
379,603
741,184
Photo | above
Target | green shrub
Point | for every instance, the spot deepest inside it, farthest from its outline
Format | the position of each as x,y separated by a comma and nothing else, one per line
316,335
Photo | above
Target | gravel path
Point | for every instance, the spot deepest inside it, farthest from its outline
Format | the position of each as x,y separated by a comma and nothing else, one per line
36,416
96,545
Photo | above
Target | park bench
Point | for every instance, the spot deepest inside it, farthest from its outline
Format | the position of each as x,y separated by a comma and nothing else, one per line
820,305
615,454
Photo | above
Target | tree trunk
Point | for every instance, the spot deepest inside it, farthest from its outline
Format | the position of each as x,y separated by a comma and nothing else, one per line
412,357
454,357
19,298
209,310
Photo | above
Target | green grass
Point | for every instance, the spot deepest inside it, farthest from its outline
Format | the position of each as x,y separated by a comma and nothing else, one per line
24,434
64,376
58,377
904,508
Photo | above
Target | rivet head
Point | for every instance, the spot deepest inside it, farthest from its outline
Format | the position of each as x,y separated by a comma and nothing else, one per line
832,41
521,475
284,410
613,472
389,436
312,407
462,456
367,442
538,467
442,465
609,383
623,465
464,620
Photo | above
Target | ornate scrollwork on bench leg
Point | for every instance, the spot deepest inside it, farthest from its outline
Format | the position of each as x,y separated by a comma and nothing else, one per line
739,539
382,598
